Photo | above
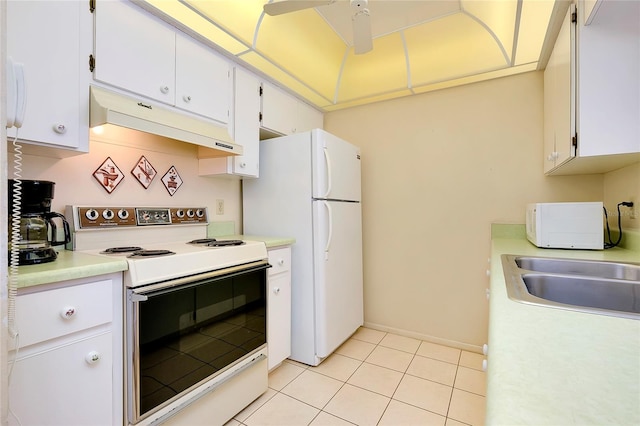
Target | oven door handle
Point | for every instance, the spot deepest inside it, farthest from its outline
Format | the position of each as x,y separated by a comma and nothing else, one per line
135,297
195,279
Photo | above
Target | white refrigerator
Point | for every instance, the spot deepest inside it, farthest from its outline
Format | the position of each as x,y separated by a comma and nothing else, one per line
309,189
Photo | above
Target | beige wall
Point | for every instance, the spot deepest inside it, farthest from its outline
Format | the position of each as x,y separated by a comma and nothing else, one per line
76,185
438,169
623,185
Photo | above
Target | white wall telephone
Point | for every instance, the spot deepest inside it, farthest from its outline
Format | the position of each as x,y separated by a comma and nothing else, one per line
16,93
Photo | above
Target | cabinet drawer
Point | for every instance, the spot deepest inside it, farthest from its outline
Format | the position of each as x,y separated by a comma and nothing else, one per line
280,260
52,313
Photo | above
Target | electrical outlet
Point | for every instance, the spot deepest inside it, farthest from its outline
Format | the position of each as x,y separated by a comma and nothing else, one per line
219,206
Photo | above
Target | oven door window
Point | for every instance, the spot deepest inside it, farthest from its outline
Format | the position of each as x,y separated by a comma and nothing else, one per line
191,333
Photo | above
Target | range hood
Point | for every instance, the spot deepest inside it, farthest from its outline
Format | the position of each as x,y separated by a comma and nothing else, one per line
108,107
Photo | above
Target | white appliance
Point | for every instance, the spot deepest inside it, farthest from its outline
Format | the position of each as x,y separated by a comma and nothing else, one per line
195,349
566,225
309,189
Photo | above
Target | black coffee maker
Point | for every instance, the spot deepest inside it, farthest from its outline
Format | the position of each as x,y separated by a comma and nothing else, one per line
34,231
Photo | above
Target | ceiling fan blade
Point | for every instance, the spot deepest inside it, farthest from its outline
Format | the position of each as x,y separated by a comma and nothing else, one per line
282,7
362,40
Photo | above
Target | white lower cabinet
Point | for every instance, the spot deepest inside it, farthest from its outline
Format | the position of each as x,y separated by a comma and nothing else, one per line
67,369
64,385
279,306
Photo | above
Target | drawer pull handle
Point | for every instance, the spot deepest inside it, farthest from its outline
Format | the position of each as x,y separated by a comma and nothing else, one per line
276,290
92,357
68,312
281,262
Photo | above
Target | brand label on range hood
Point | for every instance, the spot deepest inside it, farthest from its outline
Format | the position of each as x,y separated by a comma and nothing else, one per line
108,107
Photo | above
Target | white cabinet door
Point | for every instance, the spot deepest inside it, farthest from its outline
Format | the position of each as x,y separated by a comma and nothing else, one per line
278,110
65,385
246,132
134,51
285,114
279,306
246,123
203,80
559,95
609,80
46,37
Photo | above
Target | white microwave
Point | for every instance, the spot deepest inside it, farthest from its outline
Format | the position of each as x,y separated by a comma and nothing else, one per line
566,225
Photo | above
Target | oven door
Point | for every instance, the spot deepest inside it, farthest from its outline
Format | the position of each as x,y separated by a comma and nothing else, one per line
183,332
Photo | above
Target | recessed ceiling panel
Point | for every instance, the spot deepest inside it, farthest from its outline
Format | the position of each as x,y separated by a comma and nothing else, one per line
303,44
418,45
200,24
533,30
382,70
452,47
237,17
498,16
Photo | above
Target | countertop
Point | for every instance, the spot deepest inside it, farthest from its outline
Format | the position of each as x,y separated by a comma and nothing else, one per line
557,367
74,265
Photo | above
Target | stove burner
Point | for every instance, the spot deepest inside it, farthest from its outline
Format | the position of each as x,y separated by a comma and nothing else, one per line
115,250
202,241
151,253
225,243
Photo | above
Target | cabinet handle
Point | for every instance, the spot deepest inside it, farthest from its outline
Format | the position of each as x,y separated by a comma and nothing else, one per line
276,290
187,98
243,165
60,129
92,357
488,293
164,89
485,349
281,262
68,312
484,365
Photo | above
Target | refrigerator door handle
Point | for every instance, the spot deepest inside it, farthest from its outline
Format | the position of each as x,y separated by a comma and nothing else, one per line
327,160
326,247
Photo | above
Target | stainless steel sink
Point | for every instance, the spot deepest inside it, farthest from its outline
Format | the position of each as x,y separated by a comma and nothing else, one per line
596,287
617,270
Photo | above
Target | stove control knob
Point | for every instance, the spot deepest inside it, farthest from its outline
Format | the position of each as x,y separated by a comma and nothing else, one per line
123,214
190,213
200,213
180,213
108,214
91,214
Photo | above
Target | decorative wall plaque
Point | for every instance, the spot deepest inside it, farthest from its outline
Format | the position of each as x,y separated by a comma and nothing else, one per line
109,175
144,172
172,180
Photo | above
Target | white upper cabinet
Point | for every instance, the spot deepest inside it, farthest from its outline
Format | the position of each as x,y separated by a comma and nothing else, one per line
51,39
605,92
285,114
246,131
134,51
203,80
559,110
137,52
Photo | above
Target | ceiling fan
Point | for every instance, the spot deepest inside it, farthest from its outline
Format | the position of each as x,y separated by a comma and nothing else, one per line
362,40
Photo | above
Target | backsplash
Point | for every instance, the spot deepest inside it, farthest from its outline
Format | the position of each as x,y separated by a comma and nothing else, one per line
76,183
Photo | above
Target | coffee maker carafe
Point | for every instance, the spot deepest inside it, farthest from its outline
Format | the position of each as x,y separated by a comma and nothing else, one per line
37,232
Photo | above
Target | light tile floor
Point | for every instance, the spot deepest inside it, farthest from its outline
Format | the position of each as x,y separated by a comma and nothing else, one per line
375,378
